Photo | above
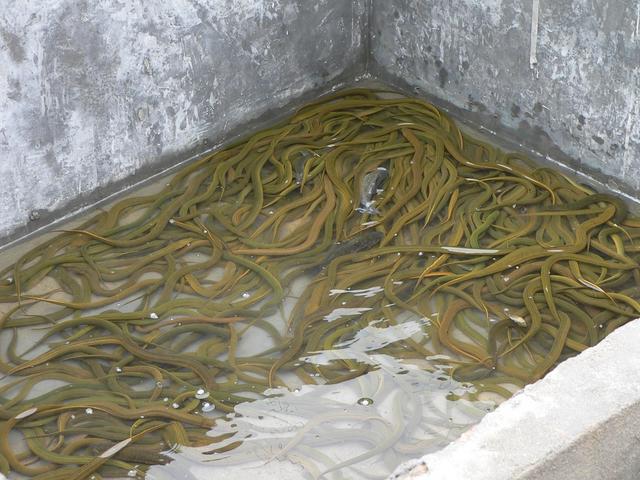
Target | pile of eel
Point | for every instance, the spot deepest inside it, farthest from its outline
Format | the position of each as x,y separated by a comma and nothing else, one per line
122,339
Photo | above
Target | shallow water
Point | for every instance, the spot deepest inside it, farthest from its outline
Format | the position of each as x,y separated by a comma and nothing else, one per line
342,292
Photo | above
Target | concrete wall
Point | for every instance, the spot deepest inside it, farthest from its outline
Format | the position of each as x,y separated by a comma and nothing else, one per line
580,103
93,92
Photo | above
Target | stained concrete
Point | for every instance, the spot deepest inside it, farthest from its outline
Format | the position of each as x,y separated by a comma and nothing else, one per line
580,103
581,422
95,95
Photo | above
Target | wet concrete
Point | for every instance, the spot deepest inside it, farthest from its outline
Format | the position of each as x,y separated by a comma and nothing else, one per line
572,92
97,95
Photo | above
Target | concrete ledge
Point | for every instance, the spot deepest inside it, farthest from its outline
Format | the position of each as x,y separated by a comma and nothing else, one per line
582,421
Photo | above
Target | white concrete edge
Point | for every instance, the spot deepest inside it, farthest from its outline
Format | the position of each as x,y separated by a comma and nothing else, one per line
545,418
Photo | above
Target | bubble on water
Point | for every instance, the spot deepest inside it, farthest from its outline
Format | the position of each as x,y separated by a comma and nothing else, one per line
89,411
153,315
365,401
246,295
208,407
118,370
159,384
420,254
201,393
518,320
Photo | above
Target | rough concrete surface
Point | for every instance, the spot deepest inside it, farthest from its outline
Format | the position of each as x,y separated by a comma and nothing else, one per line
580,103
581,422
93,92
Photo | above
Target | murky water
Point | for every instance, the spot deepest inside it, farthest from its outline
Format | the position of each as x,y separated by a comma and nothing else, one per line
342,292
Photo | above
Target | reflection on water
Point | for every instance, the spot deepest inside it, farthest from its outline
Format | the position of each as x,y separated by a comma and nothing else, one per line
361,428
346,290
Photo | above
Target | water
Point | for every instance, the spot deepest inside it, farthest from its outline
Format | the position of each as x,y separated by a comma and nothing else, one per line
250,315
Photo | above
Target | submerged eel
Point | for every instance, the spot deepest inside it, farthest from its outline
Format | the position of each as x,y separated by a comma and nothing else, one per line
357,212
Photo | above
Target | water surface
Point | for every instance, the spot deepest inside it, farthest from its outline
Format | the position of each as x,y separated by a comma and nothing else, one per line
344,291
